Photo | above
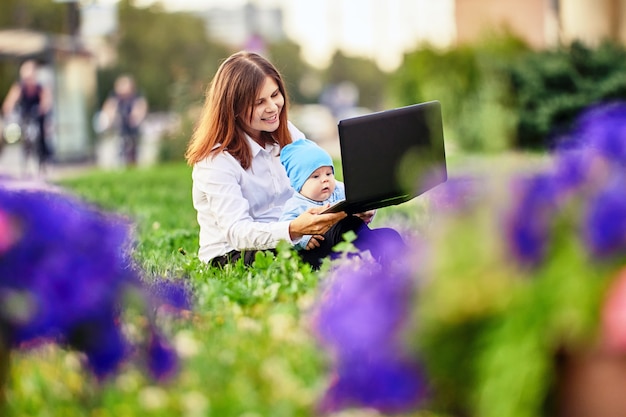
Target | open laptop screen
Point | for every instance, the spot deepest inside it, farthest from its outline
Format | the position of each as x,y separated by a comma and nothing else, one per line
393,154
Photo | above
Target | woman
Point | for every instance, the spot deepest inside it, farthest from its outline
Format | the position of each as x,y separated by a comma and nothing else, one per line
239,184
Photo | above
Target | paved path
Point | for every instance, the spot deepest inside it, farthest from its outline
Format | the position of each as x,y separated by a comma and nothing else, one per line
106,157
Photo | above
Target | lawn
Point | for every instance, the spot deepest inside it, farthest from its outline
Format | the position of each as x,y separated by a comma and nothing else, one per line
247,349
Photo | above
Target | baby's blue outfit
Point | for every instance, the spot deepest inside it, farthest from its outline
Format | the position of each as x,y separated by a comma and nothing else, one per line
298,204
300,159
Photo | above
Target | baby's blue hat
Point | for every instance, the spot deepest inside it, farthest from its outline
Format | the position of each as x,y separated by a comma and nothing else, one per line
301,158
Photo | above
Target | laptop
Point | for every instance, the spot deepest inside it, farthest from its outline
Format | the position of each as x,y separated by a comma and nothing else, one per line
390,157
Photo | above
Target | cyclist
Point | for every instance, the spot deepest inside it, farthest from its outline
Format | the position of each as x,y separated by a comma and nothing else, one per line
32,101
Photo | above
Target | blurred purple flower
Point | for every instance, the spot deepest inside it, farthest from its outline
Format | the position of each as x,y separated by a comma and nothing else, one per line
572,169
64,277
457,194
363,307
385,384
605,223
529,222
161,356
360,320
170,292
595,161
102,342
602,129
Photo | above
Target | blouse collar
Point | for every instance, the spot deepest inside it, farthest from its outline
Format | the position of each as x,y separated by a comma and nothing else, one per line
272,148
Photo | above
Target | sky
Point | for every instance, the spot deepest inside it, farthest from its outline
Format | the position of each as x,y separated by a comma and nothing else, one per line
378,29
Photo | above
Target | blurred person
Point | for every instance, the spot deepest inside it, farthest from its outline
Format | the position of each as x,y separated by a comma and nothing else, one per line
32,101
124,110
312,175
239,185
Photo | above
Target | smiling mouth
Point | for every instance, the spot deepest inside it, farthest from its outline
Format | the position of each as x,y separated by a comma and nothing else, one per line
272,118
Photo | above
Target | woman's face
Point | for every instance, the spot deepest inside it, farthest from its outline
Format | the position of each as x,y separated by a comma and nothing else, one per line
266,110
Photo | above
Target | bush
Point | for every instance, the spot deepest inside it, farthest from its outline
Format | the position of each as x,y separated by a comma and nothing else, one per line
470,84
552,87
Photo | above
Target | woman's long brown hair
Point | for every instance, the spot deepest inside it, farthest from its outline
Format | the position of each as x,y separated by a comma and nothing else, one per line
230,97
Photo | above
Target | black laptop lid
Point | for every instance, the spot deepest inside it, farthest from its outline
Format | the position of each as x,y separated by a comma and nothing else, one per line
393,154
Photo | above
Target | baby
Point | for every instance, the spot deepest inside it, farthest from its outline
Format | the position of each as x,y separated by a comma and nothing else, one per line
312,175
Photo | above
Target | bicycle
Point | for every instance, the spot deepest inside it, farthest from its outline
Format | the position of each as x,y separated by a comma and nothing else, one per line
25,130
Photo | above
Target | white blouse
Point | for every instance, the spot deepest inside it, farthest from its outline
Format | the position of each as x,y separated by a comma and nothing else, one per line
239,209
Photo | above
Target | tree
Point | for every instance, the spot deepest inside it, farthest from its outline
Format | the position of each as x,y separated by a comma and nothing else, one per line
161,49
285,55
37,15
370,80
40,15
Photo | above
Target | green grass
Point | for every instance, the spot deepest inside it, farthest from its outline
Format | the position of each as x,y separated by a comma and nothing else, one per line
157,200
248,346
249,349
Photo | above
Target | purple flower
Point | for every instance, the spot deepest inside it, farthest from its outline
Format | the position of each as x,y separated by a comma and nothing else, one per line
68,255
602,129
172,293
64,274
363,307
361,319
593,163
386,384
102,342
457,194
605,223
572,169
529,222
162,358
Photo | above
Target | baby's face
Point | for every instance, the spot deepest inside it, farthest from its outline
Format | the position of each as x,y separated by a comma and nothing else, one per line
320,184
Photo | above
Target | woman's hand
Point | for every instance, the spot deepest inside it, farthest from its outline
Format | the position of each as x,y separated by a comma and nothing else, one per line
311,222
366,216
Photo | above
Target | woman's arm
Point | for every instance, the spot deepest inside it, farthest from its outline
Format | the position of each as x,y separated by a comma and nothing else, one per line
311,222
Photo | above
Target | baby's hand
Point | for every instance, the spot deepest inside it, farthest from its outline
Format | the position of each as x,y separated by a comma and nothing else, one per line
314,242
366,216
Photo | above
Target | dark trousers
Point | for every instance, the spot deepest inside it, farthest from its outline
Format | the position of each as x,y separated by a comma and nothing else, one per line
234,255
129,146
384,244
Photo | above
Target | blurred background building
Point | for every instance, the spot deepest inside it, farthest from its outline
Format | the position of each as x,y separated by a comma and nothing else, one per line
543,23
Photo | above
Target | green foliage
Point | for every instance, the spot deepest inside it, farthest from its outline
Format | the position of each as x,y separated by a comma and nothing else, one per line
469,83
44,16
364,73
286,56
552,87
491,330
39,15
160,48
